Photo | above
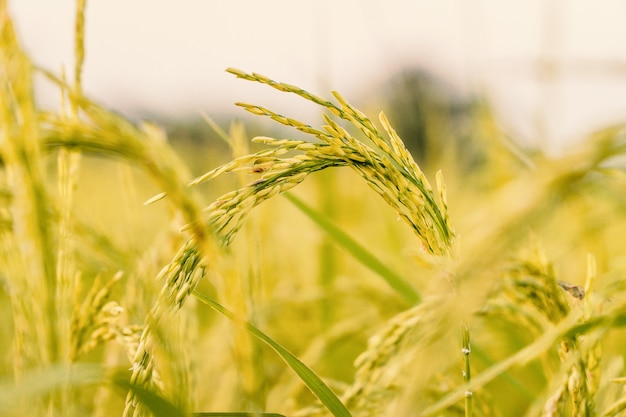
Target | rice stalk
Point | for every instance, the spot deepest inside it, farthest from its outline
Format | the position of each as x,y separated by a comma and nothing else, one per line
79,52
67,273
33,268
467,375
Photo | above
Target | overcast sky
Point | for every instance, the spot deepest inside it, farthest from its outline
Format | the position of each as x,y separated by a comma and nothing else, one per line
560,64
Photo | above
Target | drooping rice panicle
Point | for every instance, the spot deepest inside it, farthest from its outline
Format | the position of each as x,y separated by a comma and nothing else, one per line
388,168
94,318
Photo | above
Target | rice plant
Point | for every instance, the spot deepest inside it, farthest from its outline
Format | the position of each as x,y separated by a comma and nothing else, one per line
362,290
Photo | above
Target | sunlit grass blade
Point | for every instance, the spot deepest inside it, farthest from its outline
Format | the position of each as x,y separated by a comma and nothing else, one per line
358,251
306,374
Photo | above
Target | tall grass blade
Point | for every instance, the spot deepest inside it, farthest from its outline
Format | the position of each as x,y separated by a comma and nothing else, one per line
359,252
306,374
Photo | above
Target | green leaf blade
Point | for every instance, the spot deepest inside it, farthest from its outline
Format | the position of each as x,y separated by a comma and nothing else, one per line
358,251
306,374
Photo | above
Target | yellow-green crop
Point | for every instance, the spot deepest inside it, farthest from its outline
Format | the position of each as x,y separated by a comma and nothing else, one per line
300,291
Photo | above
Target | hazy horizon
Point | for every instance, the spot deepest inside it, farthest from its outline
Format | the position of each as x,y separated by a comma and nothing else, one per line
553,70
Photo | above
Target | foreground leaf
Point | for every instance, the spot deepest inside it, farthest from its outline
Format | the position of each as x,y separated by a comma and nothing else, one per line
306,374
359,252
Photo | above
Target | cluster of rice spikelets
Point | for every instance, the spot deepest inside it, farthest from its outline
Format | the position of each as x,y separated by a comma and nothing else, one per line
531,296
376,378
386,166
96,319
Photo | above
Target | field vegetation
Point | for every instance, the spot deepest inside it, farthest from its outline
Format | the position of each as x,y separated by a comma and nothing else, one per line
324,272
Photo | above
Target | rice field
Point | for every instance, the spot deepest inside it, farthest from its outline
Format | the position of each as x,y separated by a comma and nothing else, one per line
321,273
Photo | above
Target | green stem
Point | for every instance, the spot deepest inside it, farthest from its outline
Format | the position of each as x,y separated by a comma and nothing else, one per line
467,375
